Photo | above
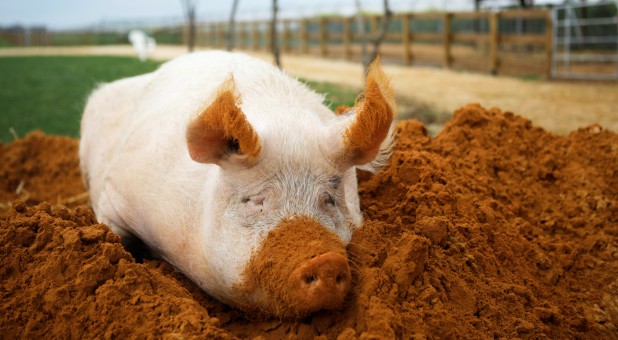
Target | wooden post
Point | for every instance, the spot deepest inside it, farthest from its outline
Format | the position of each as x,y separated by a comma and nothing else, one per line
447,39
215,34
406,38
209,35
220,35
549,45
242,36
304,44
347,38
199,32
212,35
268,38
494,36
323,37
373,20
255,36
286,36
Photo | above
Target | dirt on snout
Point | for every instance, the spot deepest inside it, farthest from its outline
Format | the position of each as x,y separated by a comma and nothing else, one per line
494,228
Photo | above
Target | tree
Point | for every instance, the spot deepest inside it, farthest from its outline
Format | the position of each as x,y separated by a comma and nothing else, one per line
188,7
232,25
375,38
274,42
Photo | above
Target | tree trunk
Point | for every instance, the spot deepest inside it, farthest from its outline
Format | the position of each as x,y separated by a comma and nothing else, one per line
231,42
378,36
189,9
274,43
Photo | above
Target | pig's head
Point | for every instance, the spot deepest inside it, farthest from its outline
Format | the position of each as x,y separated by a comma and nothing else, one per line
286,201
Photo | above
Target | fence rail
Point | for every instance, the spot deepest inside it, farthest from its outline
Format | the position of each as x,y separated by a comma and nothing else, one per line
480,41
513,42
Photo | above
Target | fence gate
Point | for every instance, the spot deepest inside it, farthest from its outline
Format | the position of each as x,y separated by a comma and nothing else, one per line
585,41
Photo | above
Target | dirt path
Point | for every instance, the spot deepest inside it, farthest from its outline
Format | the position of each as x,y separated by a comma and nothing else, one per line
559,107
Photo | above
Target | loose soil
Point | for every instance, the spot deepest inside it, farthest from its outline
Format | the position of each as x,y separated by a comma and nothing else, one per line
494,228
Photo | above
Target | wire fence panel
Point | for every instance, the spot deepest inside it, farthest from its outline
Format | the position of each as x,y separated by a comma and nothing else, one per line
585,41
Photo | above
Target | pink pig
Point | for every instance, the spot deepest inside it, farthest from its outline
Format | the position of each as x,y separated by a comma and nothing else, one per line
208,157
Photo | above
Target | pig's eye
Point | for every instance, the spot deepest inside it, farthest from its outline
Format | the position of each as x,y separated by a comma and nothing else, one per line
330,200
255,200
335,181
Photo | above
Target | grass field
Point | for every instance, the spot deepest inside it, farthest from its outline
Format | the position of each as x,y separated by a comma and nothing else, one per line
49,93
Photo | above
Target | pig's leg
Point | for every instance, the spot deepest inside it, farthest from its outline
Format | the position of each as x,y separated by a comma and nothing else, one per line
108,211
109,205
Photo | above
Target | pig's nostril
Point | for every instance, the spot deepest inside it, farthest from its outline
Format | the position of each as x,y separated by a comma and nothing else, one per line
338,279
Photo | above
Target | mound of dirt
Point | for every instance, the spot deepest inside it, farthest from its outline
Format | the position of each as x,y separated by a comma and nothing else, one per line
41,168
494,228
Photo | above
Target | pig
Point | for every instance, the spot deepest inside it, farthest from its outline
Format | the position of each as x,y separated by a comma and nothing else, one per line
238,175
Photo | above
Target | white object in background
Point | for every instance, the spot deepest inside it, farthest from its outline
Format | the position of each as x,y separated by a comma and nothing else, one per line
142,43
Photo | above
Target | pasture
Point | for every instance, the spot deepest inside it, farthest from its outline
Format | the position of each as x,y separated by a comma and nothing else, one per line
49,92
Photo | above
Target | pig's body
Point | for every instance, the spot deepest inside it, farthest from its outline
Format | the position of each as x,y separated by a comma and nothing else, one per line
208,219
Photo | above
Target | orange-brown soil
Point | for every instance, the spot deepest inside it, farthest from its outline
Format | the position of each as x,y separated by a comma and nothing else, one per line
494,228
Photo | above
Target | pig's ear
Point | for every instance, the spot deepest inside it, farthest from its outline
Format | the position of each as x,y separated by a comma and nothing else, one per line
366,136
221,132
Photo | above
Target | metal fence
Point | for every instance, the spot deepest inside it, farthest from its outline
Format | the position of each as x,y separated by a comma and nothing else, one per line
585,41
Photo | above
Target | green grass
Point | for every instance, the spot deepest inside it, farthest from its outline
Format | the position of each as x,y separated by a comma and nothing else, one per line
49,93
335,95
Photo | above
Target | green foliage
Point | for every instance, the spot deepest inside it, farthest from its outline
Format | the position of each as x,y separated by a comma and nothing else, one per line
49,93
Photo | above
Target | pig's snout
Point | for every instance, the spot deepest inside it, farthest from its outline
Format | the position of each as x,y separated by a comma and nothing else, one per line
300,268
323,281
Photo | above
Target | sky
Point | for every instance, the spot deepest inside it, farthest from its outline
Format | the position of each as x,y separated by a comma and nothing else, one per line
74,14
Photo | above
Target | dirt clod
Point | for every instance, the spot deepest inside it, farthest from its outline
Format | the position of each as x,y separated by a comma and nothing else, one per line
494,228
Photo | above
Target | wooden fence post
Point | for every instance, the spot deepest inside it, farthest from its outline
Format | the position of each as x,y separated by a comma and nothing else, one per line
286,36
207,35
220,35
268,38
373,23
549,44
240,35
255,36
494,40
447,38
406,39
303,41
347,37
210,35
323,37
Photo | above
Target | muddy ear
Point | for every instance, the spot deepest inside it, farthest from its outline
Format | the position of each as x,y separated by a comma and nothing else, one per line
222,131
374,111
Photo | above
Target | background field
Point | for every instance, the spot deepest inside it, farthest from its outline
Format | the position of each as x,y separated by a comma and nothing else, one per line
49,92
427,93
